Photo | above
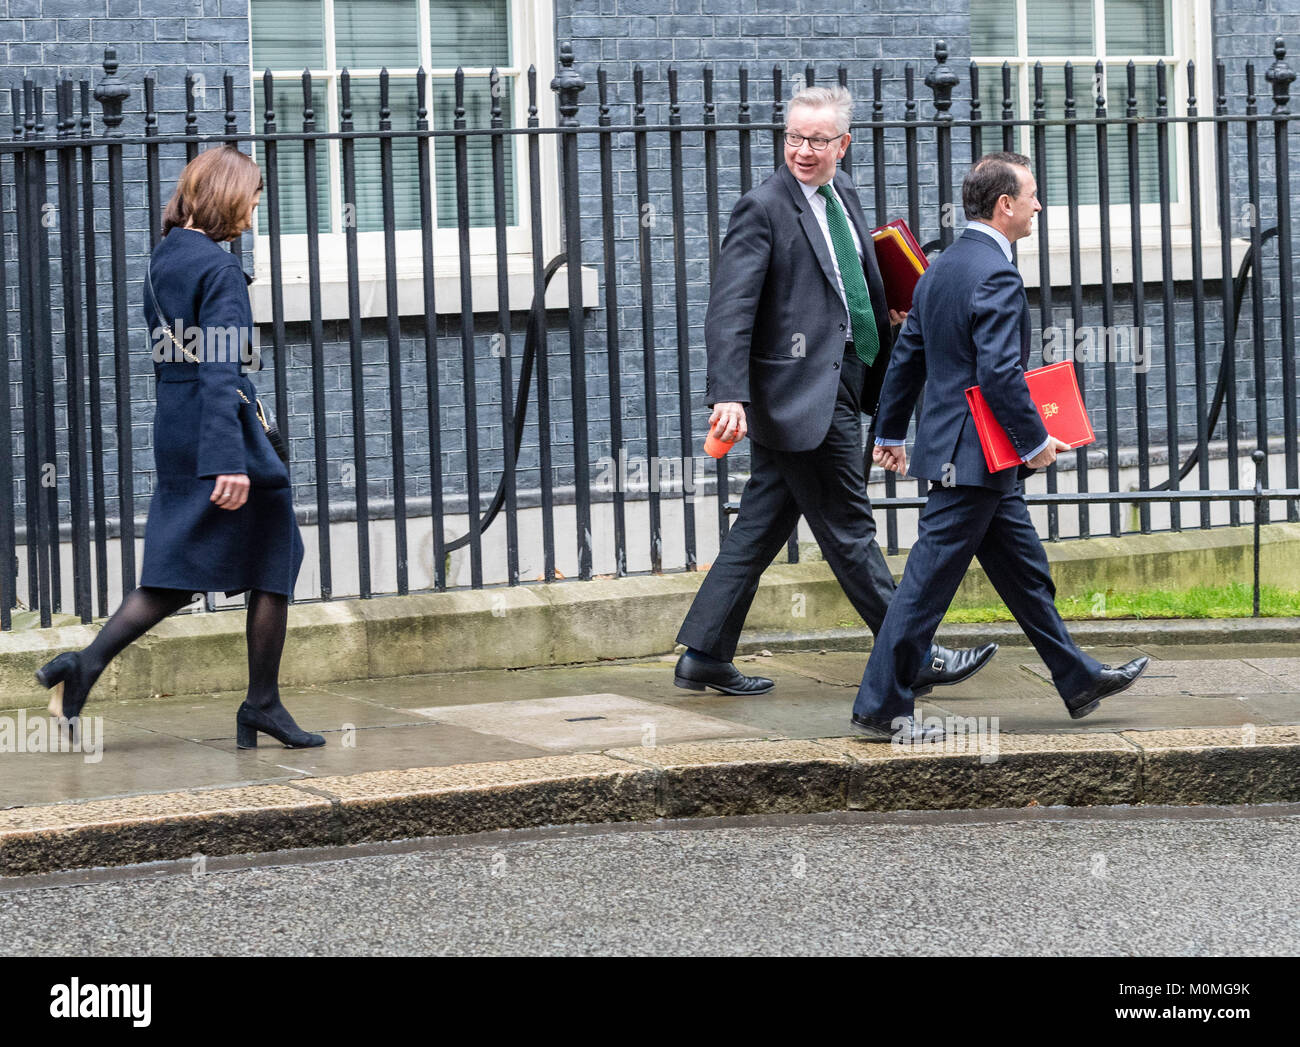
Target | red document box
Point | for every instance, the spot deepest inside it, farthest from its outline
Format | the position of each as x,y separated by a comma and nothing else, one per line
1055,392
901,262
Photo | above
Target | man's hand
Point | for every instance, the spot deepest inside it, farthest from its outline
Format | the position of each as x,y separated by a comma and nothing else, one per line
896,318
727,422
891,459
1048,454
230,491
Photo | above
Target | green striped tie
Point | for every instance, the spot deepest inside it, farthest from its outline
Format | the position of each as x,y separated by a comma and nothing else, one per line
865,338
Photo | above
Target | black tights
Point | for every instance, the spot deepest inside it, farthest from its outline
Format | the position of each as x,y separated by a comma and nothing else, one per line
145,607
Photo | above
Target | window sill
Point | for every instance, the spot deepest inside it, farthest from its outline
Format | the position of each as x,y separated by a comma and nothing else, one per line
373,298
1121,258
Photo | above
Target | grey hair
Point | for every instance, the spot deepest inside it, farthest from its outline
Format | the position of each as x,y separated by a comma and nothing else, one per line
837,98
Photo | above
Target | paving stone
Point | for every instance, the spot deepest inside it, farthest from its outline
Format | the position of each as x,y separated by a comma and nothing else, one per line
163,826
1224,766
589,722
714,779
133,761
480,797
382,748
1229,676
1013,771
212,716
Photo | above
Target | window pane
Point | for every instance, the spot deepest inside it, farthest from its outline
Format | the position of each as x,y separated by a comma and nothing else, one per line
477,114
1057,187
1118,138
287,34
371,34
991,107
1137,27
289,157
1059,27
993,27
402,101
469,32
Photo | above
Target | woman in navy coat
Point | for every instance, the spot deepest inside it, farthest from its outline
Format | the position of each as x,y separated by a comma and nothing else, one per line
222,512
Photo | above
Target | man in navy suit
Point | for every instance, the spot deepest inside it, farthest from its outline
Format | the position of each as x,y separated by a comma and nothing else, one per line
798,335
969,325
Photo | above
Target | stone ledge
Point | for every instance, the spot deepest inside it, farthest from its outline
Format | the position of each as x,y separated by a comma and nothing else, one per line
693,779
569,622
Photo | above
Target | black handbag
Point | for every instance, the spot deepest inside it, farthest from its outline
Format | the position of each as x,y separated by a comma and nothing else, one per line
264,416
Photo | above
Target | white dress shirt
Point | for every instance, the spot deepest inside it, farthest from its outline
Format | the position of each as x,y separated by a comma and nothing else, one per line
818,204
998,238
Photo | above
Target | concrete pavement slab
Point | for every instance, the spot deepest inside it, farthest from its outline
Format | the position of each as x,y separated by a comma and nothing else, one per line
212,716
587,722
652,679
1229,676
381,748
1214,651
1125,711
1273,709
133,760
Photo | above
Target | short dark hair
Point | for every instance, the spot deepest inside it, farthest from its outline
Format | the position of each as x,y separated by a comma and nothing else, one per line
990,178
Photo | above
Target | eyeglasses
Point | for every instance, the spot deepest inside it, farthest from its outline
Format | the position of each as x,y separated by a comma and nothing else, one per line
795,141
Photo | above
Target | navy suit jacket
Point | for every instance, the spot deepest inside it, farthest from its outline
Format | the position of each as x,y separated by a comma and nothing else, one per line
968,325
776,324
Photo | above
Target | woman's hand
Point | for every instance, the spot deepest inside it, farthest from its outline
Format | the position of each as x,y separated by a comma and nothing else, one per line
231,490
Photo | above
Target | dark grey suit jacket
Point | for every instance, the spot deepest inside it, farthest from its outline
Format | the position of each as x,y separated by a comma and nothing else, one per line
776,323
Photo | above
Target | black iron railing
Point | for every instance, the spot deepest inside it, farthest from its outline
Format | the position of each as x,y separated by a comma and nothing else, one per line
73,316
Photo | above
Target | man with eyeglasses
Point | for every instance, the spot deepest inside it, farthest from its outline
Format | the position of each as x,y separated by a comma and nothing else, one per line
798,335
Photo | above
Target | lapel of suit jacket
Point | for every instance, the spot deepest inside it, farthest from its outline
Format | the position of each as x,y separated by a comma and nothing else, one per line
875,282
811,227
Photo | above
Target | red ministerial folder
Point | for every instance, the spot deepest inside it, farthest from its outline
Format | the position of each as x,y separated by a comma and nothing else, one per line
1055,392
901,262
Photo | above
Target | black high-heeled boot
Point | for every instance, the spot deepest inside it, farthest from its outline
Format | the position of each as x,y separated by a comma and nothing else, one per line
67,675
275,721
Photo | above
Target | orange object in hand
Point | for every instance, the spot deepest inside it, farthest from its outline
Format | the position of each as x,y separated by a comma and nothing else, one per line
716,448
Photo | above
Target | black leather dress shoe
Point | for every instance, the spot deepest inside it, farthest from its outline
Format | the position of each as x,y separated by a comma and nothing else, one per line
695,673
906,733
944,667
1111,681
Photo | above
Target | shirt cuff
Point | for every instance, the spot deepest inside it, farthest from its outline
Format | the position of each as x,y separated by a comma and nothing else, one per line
1037,450
882,442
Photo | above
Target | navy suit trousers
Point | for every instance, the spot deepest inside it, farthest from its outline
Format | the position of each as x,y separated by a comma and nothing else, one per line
958,524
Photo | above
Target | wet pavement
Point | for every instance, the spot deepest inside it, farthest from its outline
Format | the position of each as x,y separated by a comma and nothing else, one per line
169,743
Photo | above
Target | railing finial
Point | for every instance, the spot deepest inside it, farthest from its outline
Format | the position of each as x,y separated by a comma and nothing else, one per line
112,91
941,80
568,83
1280,76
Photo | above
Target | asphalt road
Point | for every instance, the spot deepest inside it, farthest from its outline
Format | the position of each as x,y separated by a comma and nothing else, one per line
1117,882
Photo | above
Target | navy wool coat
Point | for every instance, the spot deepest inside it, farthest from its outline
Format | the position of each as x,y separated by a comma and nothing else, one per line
203,429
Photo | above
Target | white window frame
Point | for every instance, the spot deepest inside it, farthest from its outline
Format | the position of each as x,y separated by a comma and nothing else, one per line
1191,31
532,43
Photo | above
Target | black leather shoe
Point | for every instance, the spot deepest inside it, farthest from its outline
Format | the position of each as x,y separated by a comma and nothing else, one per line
1111,681
275,721
71,682
945,667
906,733
695,673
